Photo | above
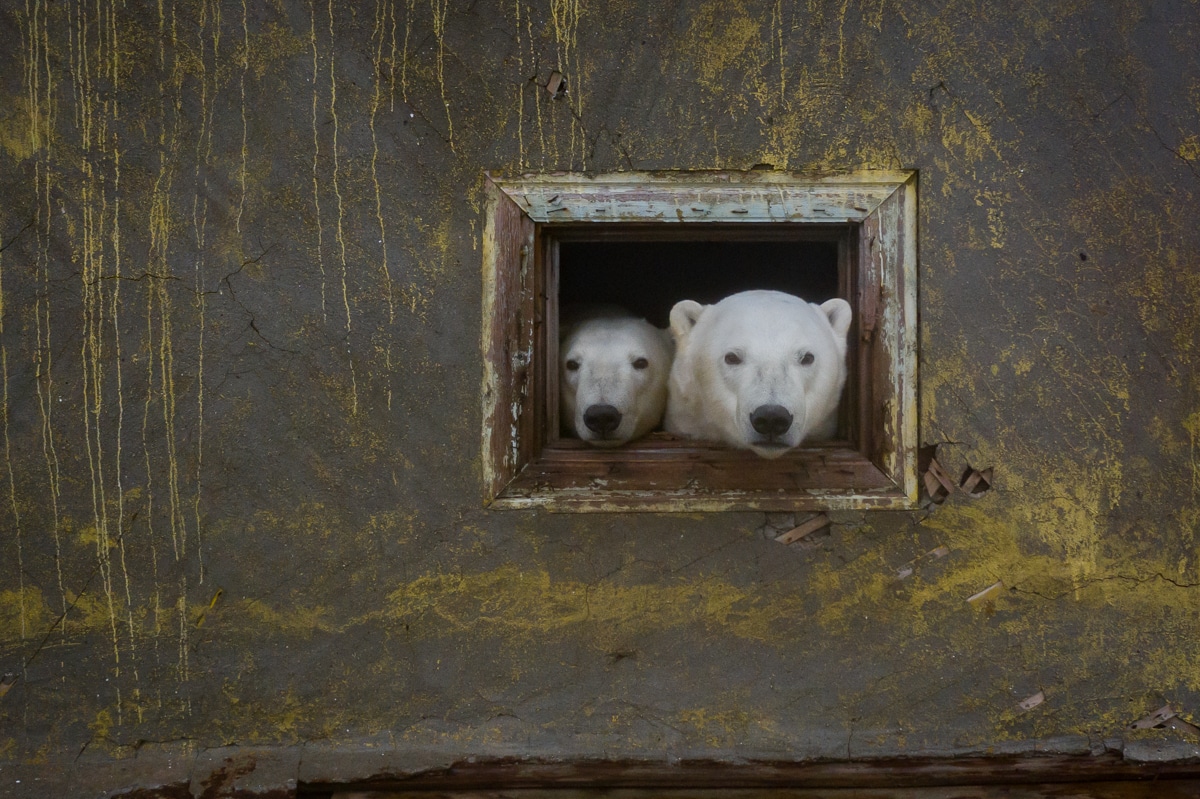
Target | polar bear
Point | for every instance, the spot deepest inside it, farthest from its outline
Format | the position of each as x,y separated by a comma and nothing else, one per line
612,370
759,370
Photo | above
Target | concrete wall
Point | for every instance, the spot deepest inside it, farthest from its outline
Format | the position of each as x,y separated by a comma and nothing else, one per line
241,487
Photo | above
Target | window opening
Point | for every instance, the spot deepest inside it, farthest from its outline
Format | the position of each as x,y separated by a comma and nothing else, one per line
646,241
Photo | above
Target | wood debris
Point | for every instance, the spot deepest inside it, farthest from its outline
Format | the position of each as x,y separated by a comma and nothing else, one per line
937,483
987,593
1031,702
976,483
908,569
805,528
1158,718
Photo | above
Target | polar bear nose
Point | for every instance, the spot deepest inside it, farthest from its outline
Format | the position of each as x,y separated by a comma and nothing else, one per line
771,420
602,418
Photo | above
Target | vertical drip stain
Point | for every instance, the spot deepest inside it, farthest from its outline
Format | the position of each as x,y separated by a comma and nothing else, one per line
565,15
118,358
381,15
440,9
41,105
842,38
781,50
537,95
113,62
159,309
408,20
337,191
521,160
146,414
204,144
96,234
8,462
392,60
317,158
245,68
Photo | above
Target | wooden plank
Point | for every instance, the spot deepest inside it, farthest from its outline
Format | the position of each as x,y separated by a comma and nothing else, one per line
548,249
507,330
889,311
1039,775
850,408
703,196
867,306
520,346
665,476
1165,789
805,528
908,442
713,231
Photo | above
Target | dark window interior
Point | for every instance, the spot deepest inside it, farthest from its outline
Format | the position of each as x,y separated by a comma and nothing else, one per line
648,268
648,277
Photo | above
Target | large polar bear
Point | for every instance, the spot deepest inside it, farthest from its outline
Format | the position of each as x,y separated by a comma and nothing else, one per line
612,370
759,370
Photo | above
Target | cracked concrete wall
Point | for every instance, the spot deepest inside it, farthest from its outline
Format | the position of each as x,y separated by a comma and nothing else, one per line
239,340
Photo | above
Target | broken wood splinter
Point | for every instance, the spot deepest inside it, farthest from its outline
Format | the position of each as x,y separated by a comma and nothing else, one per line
908,569
976,483
987,593
803,529
937,483
1156,719
1033,701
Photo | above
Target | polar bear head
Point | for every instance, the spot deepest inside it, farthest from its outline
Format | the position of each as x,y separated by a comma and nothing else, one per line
759,370
613,372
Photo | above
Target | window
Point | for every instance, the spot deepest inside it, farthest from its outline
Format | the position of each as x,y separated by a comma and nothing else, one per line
647,240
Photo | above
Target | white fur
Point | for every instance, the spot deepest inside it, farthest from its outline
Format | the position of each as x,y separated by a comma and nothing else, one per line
770,332
605,343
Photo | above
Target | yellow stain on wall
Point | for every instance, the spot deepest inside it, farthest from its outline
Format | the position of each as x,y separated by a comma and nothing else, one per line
16,127
514,601
271,47
1189,148
722,726
731,39
102,725
295,621
23,613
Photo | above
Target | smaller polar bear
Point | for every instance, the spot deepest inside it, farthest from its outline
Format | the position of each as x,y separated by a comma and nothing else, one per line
759,370
612,375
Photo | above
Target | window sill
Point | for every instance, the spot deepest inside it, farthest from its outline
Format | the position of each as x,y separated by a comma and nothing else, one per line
665,473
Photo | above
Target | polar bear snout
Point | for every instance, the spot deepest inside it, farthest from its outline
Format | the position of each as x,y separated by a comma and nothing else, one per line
759,370
771,421
602,419
613,371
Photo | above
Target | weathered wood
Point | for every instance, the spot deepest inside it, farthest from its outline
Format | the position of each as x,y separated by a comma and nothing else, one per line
664,474
676,197
1164,789
1086,776
806,528
548,251
526,465
508,330
712,231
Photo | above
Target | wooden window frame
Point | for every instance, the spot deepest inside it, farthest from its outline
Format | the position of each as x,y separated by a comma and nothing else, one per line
526,465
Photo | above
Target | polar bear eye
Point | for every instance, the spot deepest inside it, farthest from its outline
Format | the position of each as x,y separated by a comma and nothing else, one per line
641,363
572,365
807,359
732,358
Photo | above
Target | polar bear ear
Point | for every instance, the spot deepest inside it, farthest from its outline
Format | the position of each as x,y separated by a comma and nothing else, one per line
684,316
838,313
